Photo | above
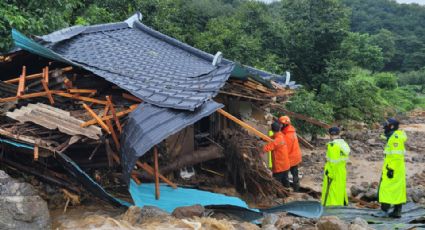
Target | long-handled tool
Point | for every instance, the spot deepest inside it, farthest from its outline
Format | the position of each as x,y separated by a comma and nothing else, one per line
327,190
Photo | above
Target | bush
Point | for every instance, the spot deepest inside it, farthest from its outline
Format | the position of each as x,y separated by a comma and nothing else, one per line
386,81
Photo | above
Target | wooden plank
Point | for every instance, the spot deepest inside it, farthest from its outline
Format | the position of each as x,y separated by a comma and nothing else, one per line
36,152
150,170
131,97
156,173
21,85
81,98
114,114
48,92
113,134
46,74
243,96
136,179
25,96
301,116
82,91
37,75
305,142
97,118
245,125
119,114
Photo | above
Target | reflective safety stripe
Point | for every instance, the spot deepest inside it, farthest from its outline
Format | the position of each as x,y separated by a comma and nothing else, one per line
400,152
336,161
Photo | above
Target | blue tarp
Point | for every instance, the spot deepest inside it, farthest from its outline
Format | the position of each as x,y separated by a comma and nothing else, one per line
144,194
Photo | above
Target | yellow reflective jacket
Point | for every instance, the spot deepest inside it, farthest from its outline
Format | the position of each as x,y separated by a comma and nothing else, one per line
335,172
392,189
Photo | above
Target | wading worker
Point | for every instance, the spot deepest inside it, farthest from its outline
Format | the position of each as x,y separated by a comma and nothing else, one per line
334,191
392,188
280,158
294,151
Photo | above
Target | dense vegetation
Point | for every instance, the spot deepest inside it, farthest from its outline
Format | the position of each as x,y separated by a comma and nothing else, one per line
357,59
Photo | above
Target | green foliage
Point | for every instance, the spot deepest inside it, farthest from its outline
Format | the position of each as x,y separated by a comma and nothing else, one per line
304,102
386,81
404,22
360,49
416,78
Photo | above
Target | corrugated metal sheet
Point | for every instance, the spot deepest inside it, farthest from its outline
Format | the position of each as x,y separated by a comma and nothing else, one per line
148,125
54,118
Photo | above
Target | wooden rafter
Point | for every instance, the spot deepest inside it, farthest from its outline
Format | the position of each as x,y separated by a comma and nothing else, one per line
151,170
131,98
113,134
81,98
48,92
97,118
34,76
119,114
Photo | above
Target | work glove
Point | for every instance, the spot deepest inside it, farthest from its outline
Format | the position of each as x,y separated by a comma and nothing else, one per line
390,172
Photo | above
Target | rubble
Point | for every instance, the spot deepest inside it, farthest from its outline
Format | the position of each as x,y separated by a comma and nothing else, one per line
189,211
20,206
331,223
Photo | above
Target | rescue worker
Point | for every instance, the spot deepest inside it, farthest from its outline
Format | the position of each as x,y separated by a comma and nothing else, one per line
334,191
269,154
294,151
392,188
280,158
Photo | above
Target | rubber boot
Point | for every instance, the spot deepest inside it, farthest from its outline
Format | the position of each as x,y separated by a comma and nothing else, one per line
396,213
296,187
381,214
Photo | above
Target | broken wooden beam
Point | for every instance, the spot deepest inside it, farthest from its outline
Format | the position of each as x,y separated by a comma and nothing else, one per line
48,92
305,142
36,152
21,85
82,90
119,114
97,118
131,98
81,98
37,75
301,116
150,170
245,125
114,114
156,173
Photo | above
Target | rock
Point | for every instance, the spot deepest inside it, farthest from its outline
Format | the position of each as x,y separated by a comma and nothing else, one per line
359,224
331,223
285,222
20,206
135,215
356,190
188,211
417,193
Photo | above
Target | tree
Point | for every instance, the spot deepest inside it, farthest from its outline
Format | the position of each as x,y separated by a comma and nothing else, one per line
313,32
386,41
360,49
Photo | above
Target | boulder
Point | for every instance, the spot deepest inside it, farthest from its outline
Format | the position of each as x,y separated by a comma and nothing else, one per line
359,224
331,223
188,211
20,206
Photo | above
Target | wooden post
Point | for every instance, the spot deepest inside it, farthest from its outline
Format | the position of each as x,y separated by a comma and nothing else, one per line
46,74
97,118
21,85
114,114
150,170
156,173
245,125
36,152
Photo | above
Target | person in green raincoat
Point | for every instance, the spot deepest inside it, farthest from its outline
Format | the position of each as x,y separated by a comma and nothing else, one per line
392,188
334,191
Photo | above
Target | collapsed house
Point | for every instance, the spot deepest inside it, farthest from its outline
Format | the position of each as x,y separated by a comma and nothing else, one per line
101,103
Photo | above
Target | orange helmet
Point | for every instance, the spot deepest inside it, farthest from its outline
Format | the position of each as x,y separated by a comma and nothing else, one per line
285,120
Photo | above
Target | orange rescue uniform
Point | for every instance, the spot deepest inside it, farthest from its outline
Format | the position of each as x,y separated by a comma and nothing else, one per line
279,154
294,151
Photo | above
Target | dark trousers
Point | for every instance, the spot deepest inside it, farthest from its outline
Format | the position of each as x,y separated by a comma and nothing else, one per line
282,177
295,178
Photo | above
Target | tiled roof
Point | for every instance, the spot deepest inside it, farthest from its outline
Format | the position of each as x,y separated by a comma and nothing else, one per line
148,125
154,67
